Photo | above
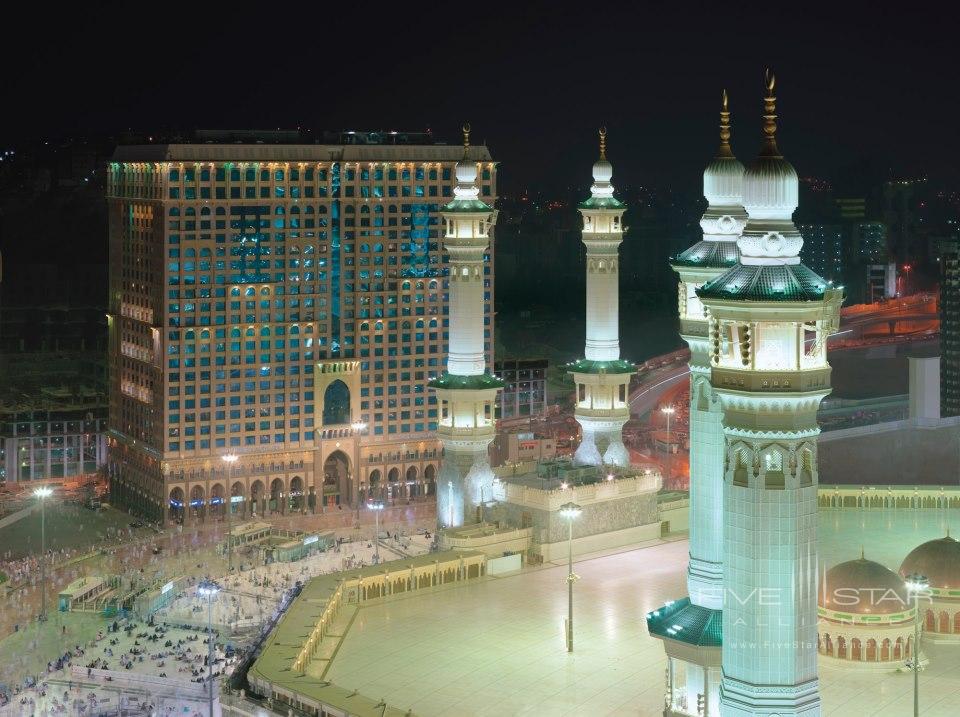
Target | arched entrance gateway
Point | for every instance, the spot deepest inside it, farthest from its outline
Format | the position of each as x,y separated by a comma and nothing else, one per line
197,503
237,506
257,502
336,478
296,493
276,496
410,484
336,404
176,505
217,502
430,480
373,487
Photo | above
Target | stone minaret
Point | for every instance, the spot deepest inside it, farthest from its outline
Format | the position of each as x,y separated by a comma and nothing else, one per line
602,379
466,393
693,675
769,319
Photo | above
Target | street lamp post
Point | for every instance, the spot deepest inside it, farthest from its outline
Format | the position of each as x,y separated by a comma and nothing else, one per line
376,506
450,500
230,459
41,494
916,584
358,428
668,411
570,511
209,589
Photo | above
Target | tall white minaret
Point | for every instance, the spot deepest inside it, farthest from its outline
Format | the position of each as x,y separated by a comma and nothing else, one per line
693,675
466,392
770,317
602,379
722,224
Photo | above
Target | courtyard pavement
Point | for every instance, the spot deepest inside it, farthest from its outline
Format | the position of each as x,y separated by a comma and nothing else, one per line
496,647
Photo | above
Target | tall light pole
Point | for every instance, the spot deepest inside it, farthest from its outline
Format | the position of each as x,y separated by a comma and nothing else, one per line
230,459
570,511
209,590
41,494
376,506
450,500
358,428
668,411
916,584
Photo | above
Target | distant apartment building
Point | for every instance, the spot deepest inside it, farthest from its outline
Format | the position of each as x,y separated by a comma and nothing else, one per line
823,249
881,282
283,302
65,444
526,390
950,328
870,242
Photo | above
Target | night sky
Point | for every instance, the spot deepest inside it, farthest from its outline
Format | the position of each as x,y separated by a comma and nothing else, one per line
534,79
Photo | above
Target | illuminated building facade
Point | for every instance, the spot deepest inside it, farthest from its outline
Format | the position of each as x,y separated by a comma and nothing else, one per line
603,380
284,302
950,328
769,319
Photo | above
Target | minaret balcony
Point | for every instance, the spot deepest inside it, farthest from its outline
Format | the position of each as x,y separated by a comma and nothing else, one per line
797,381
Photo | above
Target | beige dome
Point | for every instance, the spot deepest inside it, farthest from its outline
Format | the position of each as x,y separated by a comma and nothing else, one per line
938,560
863,587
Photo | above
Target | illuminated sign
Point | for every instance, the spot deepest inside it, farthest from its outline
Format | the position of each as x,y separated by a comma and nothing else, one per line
236,499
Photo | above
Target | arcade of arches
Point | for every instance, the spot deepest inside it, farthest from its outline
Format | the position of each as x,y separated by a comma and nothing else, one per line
256,491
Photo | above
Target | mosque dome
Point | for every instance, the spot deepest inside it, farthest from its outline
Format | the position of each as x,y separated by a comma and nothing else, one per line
723,182
863,587
466,171
938,560
770,188
602,170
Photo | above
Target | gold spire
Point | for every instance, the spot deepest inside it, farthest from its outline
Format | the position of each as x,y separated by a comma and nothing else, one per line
861,552
466,138
725,150
603,143
770,148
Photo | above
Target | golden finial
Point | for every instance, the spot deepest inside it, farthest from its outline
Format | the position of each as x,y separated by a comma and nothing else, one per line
725,127
603,143
861,552
466,138
770,116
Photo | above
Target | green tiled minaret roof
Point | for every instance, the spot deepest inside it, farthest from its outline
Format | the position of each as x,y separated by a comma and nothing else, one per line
777,282
683,621
708,254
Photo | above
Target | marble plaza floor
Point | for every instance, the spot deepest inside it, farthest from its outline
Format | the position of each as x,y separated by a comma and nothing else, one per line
496,647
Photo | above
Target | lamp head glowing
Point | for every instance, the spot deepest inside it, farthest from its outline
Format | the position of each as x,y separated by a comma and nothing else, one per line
669,410
43,492
375,504
208,588
230,458
570,510
917,583
358,426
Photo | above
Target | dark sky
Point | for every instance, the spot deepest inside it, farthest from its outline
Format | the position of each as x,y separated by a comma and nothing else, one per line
535,79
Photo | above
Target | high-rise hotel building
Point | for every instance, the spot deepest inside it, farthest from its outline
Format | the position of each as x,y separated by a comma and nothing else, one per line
286,303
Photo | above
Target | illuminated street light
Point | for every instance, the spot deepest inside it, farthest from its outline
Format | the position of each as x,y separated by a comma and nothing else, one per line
668,411
916,584
209,590
41,494
229,459
376,506
570,511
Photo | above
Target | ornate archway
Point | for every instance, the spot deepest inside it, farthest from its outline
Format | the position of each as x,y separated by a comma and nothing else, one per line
257,498
430,479
237,506
336,404
296,493
176,507
197,501
336,478
373,483
217,501
276,496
